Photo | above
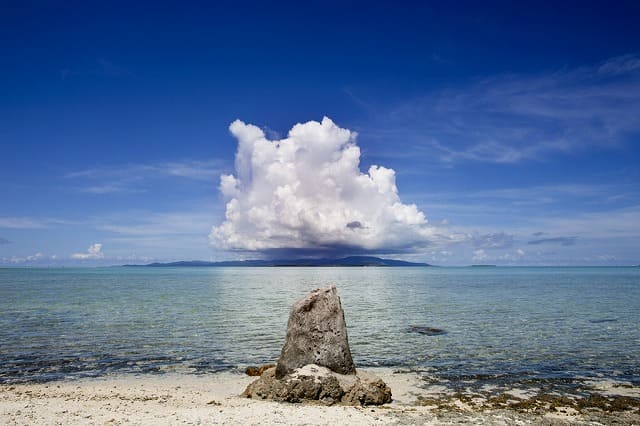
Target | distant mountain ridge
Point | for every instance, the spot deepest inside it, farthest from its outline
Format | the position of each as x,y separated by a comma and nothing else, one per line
345,261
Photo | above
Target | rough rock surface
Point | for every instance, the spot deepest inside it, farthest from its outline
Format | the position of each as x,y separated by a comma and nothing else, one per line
369,389
257,371
316,334
316,383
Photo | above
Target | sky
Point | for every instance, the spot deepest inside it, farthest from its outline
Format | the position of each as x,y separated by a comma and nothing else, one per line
452,133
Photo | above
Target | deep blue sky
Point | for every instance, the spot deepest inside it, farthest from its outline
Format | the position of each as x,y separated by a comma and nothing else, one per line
515,124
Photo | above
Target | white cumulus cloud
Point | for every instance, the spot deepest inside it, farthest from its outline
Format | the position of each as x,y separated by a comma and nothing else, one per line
307,192
93,252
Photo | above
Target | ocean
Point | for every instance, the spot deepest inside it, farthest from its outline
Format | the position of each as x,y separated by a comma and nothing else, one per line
554,328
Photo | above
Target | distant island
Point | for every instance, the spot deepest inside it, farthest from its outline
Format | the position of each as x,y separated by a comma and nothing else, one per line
345,261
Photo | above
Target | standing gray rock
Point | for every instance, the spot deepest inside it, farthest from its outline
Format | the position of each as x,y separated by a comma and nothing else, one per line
316,334
316,364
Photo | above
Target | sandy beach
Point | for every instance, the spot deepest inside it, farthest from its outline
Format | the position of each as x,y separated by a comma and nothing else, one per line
214,399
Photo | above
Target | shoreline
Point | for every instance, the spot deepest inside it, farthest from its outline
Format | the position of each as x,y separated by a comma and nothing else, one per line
173,398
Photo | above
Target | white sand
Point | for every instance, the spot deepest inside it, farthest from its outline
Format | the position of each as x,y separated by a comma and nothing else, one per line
167,399
170,399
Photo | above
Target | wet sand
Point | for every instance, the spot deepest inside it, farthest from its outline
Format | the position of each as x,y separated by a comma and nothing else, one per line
171,398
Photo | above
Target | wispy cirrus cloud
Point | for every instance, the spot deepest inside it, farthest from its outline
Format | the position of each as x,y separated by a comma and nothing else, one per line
564,241
159,224
27,222
493,240
169,235
609,224
133,178
508,202
514,117
571,223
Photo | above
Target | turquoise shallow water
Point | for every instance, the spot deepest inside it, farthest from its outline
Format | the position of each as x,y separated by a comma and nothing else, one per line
521,325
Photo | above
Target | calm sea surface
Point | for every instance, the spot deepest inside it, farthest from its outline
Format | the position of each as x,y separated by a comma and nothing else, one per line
521,325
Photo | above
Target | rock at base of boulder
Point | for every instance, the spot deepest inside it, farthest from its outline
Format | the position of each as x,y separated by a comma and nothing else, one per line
368,390
316,383
257,371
